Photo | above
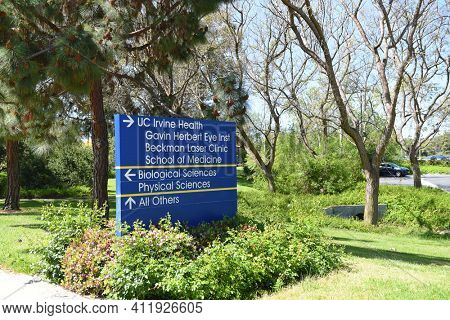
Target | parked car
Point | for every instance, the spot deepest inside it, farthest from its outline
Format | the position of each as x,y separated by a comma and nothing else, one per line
436,158
439,158
392,169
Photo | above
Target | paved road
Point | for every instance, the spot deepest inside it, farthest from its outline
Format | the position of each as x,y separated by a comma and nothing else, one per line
441,181
22,286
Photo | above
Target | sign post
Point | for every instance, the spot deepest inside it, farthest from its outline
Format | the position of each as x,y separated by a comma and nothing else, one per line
177,166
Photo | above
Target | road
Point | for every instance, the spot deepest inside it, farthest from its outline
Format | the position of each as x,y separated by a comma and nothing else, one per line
441,181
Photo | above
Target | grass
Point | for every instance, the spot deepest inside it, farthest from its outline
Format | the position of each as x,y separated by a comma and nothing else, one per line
21,234
435,169
381,266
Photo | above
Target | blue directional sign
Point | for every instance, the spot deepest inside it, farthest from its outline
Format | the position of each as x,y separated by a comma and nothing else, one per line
177,166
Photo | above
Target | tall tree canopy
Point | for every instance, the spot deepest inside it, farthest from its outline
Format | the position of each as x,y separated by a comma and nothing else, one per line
68,47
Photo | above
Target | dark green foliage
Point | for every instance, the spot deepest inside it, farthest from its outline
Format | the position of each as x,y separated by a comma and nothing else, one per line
237,261
2,154
65,165
112,158
72,164
85,259
65,192
223,271
34,170
171,28
65,224
327,175
75,61
3,184
223,260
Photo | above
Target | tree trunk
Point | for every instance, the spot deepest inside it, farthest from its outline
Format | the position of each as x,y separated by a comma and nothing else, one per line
12,163
99,147
417,175
372,188
258,159
270,180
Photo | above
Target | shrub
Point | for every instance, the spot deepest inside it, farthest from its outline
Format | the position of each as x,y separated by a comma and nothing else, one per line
222,271
428,208
144,258
252,261
72,164
166,262
56,192
3,184
85,258
297,171
206,233
415,209
65,224
34,170
330,174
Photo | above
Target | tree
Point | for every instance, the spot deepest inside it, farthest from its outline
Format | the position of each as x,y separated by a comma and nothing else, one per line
154,41
425,92
439,144
57,50
328,32
28,103
19,121
230,75
75,42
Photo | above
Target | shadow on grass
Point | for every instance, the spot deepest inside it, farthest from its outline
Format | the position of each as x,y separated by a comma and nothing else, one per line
242,181
373,253
20,213
350,239
29,226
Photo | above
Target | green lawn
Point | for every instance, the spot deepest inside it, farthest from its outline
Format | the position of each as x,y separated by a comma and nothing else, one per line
381,266
435,169
21,233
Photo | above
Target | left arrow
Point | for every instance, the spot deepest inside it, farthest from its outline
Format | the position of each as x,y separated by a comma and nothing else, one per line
128,175
130,202
130,121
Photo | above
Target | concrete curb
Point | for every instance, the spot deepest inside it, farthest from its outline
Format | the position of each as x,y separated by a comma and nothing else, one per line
26,287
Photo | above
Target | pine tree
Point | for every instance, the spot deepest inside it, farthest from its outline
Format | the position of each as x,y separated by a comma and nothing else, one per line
57,49
29,102
72,43
151,39
19,121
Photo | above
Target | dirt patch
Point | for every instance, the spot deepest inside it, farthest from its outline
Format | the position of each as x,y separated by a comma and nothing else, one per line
10,211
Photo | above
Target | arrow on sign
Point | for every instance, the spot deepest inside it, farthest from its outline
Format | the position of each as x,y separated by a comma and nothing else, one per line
128,175
130,121
130,202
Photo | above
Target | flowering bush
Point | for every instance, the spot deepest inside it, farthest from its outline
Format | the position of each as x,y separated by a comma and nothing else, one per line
85,258
65,224
222,260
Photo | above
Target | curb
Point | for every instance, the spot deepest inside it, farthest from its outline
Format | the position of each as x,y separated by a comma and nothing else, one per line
432,185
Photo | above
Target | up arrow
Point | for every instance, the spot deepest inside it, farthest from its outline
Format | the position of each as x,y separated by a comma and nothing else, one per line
130,121
128,175
130,202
